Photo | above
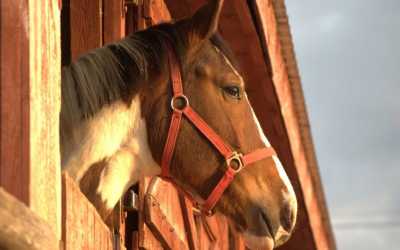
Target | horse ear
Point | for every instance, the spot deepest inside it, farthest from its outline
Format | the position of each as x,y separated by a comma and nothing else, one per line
203,24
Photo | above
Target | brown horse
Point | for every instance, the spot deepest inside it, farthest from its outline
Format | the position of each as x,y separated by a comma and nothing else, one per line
116,112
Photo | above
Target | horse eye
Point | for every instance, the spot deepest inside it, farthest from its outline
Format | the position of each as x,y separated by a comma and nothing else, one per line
233,91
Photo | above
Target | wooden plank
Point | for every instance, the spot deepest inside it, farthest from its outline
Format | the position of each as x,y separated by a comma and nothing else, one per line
190,225
206,238
83,227
163,214
218,224
161,227
45,104
114,21
156,11
85,26
22,229
30,103
146,239
14,99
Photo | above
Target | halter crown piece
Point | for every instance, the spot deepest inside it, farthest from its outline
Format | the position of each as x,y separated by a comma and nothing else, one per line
235,161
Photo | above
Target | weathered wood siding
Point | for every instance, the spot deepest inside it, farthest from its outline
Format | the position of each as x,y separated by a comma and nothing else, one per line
29,105
82,226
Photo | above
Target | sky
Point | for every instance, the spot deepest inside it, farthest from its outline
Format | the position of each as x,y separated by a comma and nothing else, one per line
348,52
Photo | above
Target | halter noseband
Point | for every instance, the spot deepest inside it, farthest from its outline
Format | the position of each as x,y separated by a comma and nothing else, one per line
235,161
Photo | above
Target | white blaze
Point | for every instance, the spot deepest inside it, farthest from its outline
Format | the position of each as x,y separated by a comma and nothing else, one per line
277,162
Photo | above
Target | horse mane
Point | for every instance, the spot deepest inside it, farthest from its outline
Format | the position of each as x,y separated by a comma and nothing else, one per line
112,73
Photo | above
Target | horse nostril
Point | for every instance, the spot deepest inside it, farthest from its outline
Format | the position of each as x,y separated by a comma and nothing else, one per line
287,217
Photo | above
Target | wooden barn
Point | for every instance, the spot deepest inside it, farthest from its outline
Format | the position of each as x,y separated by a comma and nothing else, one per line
42,209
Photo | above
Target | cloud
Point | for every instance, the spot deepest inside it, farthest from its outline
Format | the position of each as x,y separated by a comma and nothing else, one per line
329,22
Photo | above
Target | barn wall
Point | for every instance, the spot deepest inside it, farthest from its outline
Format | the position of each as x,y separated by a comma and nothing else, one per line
82,226
29,105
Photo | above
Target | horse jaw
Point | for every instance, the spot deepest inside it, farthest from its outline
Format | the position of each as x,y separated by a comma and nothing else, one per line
127,166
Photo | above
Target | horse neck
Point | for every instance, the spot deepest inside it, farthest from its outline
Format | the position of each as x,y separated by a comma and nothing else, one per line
109,152
101,111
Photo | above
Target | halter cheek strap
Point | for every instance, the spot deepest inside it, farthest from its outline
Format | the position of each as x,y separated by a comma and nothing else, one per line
235,161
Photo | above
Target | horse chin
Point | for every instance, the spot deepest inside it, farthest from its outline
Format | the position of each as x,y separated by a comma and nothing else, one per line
258,242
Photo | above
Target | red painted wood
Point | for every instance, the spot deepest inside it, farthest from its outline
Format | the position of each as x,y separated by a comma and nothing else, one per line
190,225
156,11
114,21
29,105
86,26
14,99
82,226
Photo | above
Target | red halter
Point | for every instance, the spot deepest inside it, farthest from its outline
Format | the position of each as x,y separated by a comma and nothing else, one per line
235,161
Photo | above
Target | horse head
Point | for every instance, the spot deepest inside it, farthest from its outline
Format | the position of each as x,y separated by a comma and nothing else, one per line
260,201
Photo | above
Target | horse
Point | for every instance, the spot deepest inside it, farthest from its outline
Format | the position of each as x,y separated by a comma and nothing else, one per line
115,120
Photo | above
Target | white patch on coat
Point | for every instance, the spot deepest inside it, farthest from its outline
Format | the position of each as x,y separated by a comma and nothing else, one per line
290,195
277,162
264,139
251,240
131,162
118,135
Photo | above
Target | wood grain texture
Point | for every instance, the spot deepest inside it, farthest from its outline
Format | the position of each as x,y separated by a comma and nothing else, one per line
163,214
44,104
156,11
86,26
190,224
30,103
83,227
146,239
14,99
114,21
22,229
218,224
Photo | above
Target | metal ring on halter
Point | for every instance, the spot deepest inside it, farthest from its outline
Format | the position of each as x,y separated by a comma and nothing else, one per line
236,157
182,97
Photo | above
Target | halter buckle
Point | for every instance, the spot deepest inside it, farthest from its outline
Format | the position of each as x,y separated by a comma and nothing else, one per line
179,102
235,162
